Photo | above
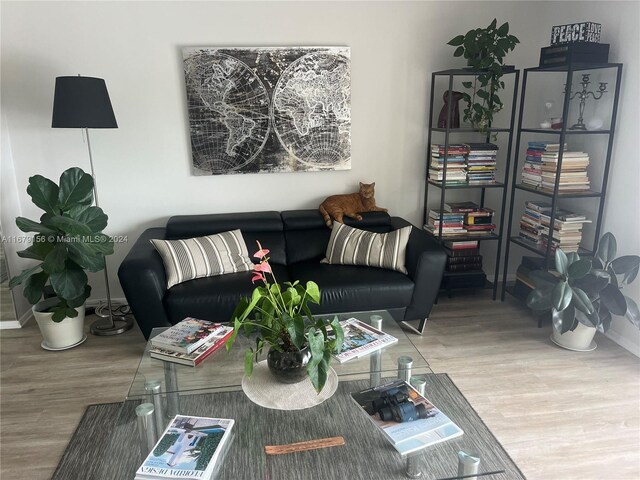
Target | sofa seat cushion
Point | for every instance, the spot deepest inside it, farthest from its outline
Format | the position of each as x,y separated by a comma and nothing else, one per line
213,298
347,288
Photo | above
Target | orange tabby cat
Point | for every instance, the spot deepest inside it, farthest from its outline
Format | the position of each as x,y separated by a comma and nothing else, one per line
337,206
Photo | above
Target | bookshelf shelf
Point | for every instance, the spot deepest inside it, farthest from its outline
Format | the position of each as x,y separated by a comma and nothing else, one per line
499,188
466,185
464,238
549,131
520,190
587,194
470,130
539,249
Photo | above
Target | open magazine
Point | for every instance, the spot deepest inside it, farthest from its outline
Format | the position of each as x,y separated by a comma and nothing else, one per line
188,449
361,339
408,420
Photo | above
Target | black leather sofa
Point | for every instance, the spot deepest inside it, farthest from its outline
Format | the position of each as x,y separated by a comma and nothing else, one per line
297,240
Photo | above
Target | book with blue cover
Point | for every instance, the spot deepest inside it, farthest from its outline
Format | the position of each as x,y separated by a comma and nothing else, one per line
406,418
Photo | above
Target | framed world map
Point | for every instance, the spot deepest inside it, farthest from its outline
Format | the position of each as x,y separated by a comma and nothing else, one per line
268,109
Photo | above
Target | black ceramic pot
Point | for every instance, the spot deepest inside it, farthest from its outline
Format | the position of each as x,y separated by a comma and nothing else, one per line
289,367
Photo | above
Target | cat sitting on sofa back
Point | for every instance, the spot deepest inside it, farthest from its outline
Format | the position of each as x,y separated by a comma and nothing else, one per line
336,207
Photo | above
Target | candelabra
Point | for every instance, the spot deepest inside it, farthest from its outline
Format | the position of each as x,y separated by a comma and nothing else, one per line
583,94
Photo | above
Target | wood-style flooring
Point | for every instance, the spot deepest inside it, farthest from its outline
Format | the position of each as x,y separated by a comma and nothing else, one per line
559,414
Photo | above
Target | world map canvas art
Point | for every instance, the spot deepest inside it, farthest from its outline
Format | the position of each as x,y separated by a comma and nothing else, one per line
268,109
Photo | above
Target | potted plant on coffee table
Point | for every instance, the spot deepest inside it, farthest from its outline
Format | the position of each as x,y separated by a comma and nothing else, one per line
586,294
484,49
68,241
279,316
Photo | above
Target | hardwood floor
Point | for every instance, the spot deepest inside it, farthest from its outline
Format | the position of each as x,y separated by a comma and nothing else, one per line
560,414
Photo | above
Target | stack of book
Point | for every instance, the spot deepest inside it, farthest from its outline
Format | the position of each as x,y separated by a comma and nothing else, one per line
481,163
455,171
452,223
463,256
532,169
573,174
189,342
477,220
567,228
524,276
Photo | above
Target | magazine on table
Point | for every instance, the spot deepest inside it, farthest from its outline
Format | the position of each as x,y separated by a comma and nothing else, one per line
186,336
213,344
361,339
406,418
189,449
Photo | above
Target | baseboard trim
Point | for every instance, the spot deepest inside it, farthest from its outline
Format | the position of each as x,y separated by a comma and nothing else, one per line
24,319
21,322
624,342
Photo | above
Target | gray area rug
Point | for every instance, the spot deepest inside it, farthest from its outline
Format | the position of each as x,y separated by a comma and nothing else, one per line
105,445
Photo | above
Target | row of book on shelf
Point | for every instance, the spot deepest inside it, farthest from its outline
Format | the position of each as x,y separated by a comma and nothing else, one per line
566,232
540,169
193,447
463,163
460,219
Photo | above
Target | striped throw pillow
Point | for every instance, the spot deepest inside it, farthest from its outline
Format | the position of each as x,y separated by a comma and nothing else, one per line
351,246
203,256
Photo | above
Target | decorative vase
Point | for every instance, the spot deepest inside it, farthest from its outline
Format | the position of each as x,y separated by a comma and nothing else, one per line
579,339
289,367
58,335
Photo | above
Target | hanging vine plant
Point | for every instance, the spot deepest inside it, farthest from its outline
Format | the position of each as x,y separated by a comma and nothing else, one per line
484,49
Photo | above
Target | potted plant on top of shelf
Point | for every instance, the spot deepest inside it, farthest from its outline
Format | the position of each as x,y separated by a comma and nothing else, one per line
484,49
68,241
586,294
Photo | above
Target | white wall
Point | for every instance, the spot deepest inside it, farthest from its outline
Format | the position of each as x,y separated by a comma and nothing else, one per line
143,168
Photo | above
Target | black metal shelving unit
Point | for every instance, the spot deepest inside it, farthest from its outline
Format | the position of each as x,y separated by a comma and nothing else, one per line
443,187
562,134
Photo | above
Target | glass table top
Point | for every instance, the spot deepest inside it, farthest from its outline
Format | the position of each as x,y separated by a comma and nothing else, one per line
223,371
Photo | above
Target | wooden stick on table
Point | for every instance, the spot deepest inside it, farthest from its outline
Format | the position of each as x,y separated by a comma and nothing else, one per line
303,446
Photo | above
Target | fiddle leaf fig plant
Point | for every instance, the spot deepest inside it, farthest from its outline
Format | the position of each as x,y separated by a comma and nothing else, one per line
588,291
68,241
484,49
281,318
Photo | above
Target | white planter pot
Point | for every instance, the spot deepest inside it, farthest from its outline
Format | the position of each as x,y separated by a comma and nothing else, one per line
581,339
58,335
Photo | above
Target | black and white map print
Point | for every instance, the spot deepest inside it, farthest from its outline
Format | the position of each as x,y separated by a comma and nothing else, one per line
268,109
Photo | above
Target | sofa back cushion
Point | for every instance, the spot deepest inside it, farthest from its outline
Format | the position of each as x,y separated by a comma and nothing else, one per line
265,227
307,235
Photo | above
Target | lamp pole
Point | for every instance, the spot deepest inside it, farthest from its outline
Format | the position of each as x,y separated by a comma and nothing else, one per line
98,327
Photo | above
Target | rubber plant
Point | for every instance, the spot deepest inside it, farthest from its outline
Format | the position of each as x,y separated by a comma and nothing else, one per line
587,291
484,49
68,241
281,316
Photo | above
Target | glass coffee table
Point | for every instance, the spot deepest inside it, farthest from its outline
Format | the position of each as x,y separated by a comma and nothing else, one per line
214,389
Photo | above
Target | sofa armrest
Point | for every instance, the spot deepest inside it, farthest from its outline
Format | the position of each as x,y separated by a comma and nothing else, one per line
144,282
425,262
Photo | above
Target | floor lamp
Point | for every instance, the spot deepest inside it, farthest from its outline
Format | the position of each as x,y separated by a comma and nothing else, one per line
83,102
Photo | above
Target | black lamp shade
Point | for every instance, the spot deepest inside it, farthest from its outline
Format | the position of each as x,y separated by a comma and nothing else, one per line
82,102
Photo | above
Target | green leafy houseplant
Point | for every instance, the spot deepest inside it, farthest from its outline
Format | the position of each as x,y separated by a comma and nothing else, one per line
282,319
68,240
484,49
588,291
